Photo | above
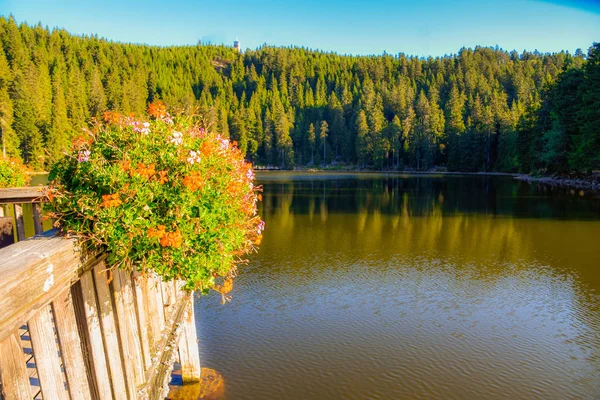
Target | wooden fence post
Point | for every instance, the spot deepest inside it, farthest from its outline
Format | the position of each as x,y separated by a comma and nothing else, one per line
189,355
19,222
37,218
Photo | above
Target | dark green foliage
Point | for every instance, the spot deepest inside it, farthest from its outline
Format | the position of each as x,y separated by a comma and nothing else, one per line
561,134
385,112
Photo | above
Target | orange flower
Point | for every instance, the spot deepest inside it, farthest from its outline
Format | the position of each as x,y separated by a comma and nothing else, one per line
126,165
157,109
157,232
171,239
207,148
194,181
143,170
111,117
234,188
162,177
110,200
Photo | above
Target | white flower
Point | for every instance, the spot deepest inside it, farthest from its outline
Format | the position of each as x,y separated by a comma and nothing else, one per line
194,157
177,138
223,143
83,156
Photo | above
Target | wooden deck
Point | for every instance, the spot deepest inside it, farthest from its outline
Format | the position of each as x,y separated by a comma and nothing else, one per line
67,331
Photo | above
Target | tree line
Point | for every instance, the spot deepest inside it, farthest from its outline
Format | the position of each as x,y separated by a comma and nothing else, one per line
482,109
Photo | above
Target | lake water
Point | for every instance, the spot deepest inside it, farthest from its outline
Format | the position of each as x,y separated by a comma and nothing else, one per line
381,286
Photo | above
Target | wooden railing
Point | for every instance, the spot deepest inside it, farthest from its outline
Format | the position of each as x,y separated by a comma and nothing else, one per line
12,202
69,330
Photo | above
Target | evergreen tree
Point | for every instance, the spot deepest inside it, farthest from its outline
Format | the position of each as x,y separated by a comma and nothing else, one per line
363,145
311,138
57,140
455,126
24,124
323,130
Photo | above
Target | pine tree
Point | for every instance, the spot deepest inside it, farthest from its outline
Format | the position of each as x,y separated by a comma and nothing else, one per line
421,134
24,125
395,138
10,142
57,140
311,139
97,96
455,126
363,145
586,156
323,134
238,131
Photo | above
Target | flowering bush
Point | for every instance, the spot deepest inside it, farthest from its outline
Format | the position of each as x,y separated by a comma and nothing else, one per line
13,173
164,195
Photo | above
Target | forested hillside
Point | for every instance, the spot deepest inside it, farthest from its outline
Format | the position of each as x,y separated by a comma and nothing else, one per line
479,110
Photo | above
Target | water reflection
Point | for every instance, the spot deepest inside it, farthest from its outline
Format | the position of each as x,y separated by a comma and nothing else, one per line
413,287
416,195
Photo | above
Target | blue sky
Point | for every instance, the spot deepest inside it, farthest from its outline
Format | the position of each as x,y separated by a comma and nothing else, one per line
418,27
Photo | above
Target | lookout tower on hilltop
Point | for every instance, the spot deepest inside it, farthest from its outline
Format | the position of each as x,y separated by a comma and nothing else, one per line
236,45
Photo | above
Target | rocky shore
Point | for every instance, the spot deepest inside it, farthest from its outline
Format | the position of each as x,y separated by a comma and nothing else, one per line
590,183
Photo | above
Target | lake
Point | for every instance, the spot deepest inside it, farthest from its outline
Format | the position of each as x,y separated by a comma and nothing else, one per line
388,286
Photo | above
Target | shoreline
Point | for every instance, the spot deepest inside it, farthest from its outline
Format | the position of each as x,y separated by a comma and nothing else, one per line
591,183
391,171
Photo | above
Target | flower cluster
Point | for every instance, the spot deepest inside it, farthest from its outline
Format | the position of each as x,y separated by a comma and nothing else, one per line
143,170
159,111
166,195
13,173
166,239
138,126
177,138
193,157
193,181
111,200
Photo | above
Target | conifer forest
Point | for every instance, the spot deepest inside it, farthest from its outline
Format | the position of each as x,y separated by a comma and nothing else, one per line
482,109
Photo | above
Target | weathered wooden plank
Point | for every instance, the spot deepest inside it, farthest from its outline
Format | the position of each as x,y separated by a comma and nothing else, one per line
86,345
155,320
101,373
14,379
70,346
156,384
50,265
47,360
19,222
33,194
160,300
37,218
140,284
128,327
111,335
168,298
189,356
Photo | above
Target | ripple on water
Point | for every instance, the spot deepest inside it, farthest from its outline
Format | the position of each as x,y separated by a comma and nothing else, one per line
464,306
